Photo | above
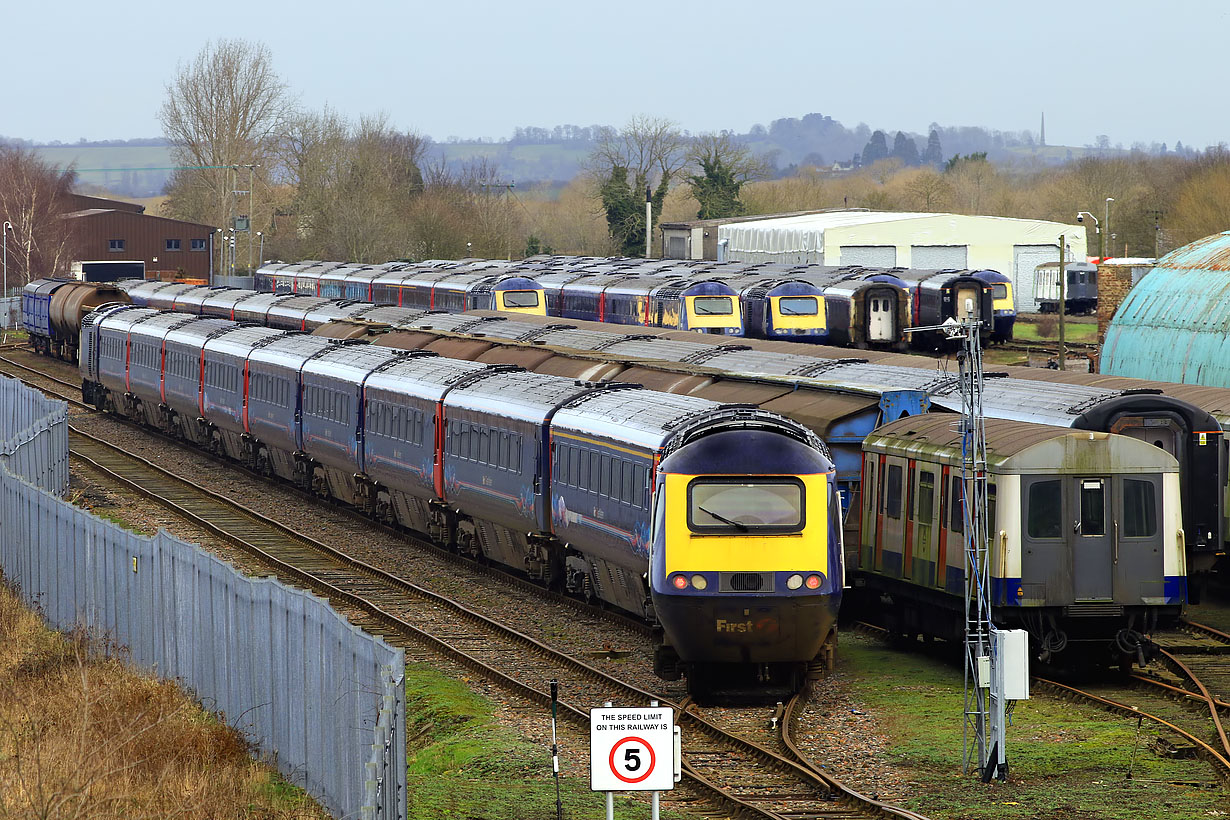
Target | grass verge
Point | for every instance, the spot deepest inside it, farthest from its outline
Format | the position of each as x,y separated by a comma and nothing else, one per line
83,735
1081,332
1066,762
464,764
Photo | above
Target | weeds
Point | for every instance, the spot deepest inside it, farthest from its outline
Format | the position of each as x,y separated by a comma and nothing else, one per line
82,735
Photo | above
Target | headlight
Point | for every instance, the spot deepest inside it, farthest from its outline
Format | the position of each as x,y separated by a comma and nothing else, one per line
680,581
699,581
794,582
813,581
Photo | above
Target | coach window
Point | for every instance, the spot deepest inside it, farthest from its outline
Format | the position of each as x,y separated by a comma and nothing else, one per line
926,497
1139,509
574,471
956,506
893,494
991,509
1045,509
630,482
1093,507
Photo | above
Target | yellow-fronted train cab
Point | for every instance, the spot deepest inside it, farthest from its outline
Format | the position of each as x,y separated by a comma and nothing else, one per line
746,564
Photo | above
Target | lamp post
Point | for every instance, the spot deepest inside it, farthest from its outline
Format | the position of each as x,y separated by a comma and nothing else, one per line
1109,200
261,237
1097,229
8,226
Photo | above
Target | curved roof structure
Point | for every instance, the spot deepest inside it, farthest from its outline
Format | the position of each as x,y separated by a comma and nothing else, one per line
1175,324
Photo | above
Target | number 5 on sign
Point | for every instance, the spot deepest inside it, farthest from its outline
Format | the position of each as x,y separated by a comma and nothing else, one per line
632,749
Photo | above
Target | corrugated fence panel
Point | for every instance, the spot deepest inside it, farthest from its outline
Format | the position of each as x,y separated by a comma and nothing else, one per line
314,693
33,436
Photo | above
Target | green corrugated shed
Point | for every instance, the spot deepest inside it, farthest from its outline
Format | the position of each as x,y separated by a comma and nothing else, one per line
1174,324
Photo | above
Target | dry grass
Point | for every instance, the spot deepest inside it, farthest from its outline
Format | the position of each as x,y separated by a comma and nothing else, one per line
85,736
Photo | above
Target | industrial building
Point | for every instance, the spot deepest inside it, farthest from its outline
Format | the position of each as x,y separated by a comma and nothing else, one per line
106,229
883,239
1172,326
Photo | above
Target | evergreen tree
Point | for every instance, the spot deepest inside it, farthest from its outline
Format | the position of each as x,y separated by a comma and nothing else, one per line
934,154
877,148
905,149
716,188
624,204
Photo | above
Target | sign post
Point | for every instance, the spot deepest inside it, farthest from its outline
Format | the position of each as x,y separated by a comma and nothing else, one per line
632,750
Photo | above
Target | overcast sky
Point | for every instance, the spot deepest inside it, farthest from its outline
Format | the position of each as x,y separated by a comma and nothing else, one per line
1130,69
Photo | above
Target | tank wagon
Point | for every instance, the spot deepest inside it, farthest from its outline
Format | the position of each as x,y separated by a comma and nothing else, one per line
52,310
717,521
1086,535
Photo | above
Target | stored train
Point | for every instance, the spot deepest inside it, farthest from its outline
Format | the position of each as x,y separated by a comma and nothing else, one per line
842,399
1080,294
1086,536
853,306
1003,304
52,310
717,521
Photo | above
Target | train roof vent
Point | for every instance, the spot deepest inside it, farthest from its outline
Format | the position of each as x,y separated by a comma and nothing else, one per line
1141,391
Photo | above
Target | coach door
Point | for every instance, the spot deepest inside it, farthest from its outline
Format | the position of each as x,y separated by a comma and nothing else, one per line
881,315
1093,535
968,302
1139,568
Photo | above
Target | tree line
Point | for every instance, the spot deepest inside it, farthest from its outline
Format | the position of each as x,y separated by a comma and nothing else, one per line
319,185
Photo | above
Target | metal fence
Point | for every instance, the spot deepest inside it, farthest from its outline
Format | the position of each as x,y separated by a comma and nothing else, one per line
33,436
10,312
321,698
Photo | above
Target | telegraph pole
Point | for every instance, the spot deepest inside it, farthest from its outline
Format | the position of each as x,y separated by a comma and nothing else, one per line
648,221
505,188
1063,305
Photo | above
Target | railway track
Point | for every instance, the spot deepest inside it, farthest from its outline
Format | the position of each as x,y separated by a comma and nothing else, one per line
1108,698
738,774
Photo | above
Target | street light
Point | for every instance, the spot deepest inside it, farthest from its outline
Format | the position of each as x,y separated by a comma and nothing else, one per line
1109,200
262,253
8,226
1097,229
221,254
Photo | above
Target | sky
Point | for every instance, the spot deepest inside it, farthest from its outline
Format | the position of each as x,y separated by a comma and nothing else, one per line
1132,70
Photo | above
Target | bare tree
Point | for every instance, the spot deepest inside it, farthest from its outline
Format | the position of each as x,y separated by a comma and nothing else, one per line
647,153
355,187
223,115
33,197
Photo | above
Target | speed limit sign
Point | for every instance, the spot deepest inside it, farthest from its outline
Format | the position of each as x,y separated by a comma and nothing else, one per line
632,749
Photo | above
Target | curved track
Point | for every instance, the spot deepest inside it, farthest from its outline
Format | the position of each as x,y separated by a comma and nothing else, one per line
740,775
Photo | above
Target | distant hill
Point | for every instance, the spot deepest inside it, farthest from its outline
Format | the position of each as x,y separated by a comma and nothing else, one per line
116,163
140,167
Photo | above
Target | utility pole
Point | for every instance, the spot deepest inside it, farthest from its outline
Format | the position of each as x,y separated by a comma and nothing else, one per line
1106,225
648,220
505,188
1063,304
1157,215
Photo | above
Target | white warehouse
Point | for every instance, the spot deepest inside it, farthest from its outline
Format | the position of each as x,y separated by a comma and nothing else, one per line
881,239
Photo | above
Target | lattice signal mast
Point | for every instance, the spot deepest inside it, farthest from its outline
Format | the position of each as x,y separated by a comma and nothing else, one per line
985,712
984,704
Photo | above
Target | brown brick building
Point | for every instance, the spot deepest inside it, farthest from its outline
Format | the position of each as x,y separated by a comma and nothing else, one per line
121,231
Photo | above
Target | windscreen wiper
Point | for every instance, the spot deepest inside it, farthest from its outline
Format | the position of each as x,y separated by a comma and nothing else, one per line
724,519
